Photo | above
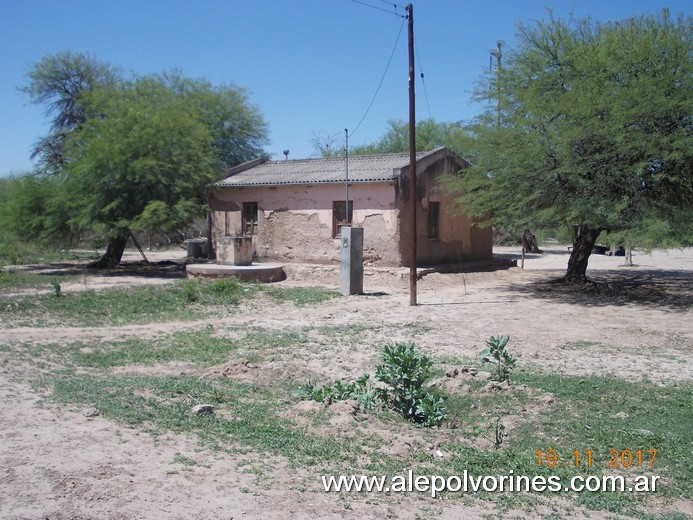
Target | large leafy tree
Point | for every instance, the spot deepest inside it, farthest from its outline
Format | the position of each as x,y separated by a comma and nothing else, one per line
588,125
58,82
138,153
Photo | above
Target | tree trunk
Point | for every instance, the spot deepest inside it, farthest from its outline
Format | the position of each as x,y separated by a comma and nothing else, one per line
113,254
529,243
629,257
583,242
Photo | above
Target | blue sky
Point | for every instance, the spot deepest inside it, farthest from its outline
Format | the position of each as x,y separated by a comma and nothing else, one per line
311,66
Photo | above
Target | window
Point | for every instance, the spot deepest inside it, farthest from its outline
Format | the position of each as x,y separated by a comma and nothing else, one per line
340,218
249,218
433,220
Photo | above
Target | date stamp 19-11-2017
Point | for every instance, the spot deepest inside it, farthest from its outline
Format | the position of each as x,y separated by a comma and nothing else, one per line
617,458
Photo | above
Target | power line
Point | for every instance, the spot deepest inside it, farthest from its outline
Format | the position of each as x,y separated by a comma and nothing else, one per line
394,48
382,9
393,4
423,81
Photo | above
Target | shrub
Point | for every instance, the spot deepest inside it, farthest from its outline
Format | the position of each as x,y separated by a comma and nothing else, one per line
499,356
403,372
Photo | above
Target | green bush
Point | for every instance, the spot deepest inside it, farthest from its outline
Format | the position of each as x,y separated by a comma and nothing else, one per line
403,372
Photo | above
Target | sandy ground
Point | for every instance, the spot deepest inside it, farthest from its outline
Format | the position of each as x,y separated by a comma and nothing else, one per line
56,463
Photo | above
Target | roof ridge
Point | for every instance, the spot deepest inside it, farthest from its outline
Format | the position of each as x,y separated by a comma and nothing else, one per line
361,156
322,170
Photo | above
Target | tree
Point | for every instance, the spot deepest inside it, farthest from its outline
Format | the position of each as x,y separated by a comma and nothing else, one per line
35,205
137,154
59,81
429,135
327,145
143,156
238,128
595,132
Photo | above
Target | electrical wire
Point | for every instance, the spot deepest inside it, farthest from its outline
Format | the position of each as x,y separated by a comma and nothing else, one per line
388,2
393,4
394,48
423,81
380,8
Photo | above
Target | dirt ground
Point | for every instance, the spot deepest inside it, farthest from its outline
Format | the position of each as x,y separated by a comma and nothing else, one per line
55,463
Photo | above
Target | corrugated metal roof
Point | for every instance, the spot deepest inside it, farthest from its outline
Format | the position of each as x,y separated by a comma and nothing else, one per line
362,169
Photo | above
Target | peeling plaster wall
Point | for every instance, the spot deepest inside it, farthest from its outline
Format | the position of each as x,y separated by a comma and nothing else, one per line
459,240
295,222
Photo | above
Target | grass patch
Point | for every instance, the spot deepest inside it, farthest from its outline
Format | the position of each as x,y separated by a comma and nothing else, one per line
179,458
301,295
188,299
16,252
143,304
201,348
588,420
184,299
165,403
583,417
259,338
11,281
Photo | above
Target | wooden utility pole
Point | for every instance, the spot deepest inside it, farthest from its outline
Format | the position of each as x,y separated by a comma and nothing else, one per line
412,159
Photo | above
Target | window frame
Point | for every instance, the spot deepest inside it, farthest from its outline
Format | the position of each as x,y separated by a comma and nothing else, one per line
249,225
433,222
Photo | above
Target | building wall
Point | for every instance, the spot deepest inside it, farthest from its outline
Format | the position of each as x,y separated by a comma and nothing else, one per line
458,239
295,222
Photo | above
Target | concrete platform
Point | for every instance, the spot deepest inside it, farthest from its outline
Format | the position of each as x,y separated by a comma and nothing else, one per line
263,272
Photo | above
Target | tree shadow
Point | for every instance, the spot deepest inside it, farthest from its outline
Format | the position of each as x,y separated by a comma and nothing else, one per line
166,269
656,288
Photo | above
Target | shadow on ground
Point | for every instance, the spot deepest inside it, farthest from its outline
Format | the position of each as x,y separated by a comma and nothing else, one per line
164,269
670,289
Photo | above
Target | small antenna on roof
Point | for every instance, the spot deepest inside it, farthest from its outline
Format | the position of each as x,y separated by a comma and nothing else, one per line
286,154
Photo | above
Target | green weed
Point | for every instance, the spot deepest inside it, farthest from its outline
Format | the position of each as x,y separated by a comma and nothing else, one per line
56,289
497,354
